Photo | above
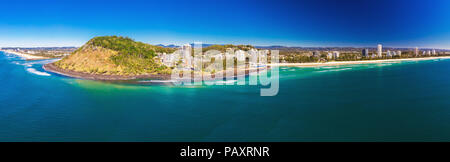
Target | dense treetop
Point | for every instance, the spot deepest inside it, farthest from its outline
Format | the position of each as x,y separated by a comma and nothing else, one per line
113,55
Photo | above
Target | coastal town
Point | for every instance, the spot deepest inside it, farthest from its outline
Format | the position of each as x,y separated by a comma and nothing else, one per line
39,53
289,56
303,56
232,55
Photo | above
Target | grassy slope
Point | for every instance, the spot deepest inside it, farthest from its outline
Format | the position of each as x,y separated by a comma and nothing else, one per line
112,55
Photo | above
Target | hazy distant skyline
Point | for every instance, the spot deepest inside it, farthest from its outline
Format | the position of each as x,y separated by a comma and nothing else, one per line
309,23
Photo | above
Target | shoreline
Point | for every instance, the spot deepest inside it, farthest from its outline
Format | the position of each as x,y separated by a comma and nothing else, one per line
336,63
54,69
27,57
159,77
167,77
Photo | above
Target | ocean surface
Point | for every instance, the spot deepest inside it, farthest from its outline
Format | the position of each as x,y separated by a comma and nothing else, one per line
400,101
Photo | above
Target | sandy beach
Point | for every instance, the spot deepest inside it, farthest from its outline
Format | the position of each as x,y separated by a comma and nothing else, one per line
51,67
25,56
335,63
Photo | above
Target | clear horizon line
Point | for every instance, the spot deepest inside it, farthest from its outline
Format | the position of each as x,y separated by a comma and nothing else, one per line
239,44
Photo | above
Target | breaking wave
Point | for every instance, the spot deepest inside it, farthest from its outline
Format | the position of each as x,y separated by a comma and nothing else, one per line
226,82
334,70
34,71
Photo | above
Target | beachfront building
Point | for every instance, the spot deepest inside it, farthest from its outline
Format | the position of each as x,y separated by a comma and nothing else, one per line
335,54
186,54
240,55
252,51
389,53
433,52
330,56
31,52
416,51
365,52
253,55
218,56
263,54
316,54
380,50
399,53
229,55
374,56
168,59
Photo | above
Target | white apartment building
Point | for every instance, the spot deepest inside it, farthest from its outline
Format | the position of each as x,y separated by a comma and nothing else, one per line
380,50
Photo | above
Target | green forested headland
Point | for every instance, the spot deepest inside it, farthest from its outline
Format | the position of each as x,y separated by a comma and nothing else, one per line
114,55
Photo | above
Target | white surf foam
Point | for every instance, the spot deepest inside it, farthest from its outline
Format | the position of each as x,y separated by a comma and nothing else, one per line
28,65
226,82
328,67
34,71
343,69
44,61
23,64
158,81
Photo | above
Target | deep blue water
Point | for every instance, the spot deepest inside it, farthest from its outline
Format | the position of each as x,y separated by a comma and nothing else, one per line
406,101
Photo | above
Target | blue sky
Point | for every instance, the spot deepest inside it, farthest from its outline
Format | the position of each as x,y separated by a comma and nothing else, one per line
394,23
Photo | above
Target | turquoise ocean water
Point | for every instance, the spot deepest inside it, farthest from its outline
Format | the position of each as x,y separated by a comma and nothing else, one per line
402,101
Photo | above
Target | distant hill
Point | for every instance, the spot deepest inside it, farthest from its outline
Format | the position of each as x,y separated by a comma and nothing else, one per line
113,55
168,46
223,48
175,46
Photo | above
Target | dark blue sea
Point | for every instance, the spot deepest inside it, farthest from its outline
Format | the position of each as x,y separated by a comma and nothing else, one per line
395,101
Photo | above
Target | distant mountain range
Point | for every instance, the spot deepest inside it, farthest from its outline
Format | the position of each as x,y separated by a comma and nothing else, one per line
175,46
39,48
279,47
274,47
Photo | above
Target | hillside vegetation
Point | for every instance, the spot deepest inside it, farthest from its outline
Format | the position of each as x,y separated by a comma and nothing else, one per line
113,55
223,48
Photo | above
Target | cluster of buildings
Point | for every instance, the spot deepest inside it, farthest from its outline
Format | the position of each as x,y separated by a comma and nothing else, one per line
333,55
393,53
186,57
428,53
330,55
43,51
379,53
